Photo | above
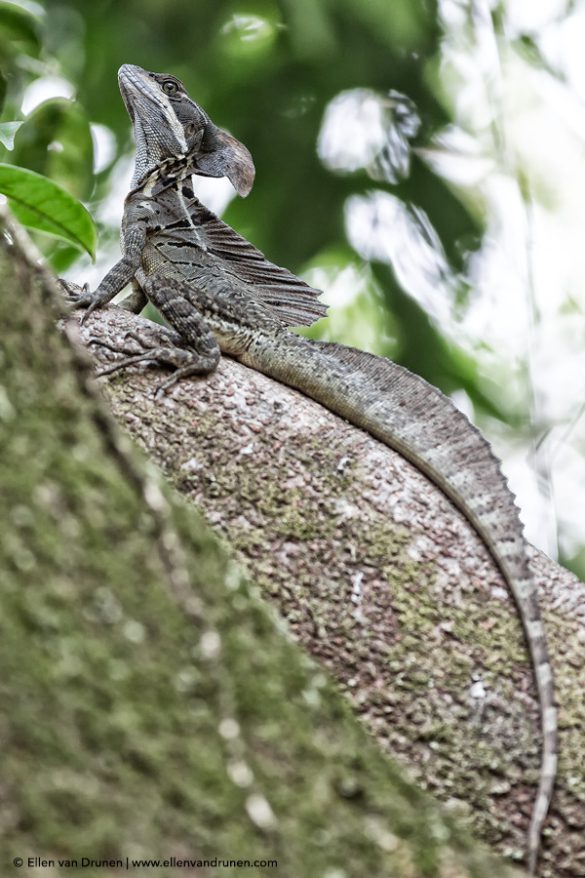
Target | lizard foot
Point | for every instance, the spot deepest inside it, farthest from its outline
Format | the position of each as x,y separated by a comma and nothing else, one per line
144,343
186,362
73,293
194,368
80,297
123,348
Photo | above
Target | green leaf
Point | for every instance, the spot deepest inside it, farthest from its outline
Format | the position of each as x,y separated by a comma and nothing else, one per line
7,132
19,30
43,205
60,255
55,140
2,90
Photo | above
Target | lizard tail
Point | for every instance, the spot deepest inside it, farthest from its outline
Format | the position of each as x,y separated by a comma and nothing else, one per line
548,768
422,424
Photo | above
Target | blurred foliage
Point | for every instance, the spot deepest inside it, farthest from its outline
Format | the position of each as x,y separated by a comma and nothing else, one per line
53,144
19,33
56,141
269,71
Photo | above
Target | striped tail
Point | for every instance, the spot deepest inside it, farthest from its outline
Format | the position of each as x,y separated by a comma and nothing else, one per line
422,424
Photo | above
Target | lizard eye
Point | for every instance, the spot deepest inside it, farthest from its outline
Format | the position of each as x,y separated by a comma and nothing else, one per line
169,87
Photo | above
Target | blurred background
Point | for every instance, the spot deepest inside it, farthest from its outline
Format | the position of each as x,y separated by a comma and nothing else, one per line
422,162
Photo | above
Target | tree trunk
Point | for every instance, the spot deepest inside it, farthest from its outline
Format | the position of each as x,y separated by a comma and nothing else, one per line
382,580
153,708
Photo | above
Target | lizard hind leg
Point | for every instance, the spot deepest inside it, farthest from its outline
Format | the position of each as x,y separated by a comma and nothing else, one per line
197,358
199,349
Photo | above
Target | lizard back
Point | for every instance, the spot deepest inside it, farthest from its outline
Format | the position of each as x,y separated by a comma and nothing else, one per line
193,240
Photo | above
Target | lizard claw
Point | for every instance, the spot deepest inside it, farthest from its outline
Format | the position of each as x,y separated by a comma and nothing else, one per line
71,291
79,297
139,348
93,304
164,387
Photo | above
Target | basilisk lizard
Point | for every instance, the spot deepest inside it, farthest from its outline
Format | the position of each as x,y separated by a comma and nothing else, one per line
221,295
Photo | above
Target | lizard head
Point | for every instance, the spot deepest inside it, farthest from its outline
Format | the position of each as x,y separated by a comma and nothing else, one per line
168,125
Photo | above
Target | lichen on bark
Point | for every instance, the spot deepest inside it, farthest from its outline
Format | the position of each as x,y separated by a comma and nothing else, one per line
382,581
152,706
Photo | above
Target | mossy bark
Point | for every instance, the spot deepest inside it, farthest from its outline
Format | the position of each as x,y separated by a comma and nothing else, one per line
381,580
152,705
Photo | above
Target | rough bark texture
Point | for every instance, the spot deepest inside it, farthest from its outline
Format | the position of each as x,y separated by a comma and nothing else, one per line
151,707
383,582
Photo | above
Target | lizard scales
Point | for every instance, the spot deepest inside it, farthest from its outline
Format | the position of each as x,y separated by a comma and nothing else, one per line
222,295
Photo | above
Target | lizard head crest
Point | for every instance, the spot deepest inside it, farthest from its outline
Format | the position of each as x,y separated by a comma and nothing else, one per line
168,125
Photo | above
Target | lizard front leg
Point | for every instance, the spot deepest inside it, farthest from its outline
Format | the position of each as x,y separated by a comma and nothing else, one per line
117,277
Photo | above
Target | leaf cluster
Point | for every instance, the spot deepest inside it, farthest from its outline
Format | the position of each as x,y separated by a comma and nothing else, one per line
47,156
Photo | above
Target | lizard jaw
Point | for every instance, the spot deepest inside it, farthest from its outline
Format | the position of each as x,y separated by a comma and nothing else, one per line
157,131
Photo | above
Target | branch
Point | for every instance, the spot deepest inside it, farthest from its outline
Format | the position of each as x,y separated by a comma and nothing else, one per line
382,581
146,719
